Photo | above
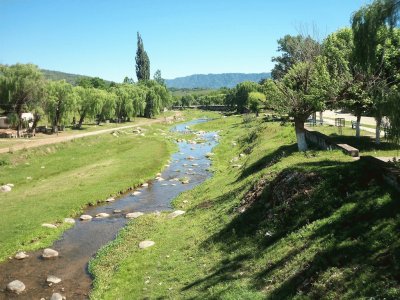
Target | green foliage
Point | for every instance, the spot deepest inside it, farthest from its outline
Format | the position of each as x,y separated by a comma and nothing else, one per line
21,89
142,61
158,78
256,99
239,96
59,102
294,49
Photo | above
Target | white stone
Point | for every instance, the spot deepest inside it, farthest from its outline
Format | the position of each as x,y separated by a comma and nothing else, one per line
5,189
11,185
16,286
176,214
116,211
135,193
134,215
145,184
69,220
56,296
102,215
209,154
85,217
53,279
49,253
111,199
47,225
146,244
242,155
185,201
185,181
21,255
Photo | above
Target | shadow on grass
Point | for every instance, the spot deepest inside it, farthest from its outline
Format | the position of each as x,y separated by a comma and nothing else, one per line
268,160
346,221
363,143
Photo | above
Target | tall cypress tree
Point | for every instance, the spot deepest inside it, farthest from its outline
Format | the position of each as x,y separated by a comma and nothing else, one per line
142,61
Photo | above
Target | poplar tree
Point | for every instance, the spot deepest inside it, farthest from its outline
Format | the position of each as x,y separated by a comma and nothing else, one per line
142,61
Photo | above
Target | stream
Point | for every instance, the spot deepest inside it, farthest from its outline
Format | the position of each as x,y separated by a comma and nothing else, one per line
80,243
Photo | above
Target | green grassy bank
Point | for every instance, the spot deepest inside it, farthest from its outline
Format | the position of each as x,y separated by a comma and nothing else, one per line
284,225
57,181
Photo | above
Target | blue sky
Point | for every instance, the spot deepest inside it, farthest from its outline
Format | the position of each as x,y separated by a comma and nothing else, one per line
181,37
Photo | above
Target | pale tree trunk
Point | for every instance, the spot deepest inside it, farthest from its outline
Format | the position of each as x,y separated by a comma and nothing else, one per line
378,129
300,135
358,126
321,119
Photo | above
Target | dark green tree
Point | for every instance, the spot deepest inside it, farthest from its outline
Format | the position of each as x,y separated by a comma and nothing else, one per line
157,77
142,61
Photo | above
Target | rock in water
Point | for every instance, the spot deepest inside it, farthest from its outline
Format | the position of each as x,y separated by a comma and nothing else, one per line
102,215
5,189
49,253
176,214
134,215
56,296
16,286
53,279
135,193
85,217
146,244
111,199
48,225
69,220
145,184
21,255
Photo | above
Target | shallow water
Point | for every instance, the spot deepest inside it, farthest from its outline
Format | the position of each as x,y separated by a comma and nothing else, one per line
79,243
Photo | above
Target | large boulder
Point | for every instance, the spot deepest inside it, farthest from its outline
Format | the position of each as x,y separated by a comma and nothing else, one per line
16,286
176,214
49,253
5,188
102,215
146,244
21,255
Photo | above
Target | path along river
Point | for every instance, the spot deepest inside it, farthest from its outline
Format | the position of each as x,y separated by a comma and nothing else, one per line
81,242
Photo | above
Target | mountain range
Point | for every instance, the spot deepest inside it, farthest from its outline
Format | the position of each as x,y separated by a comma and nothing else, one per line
206,81
214,81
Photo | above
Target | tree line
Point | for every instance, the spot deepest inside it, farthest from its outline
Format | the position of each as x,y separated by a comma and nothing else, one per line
356,68
23,89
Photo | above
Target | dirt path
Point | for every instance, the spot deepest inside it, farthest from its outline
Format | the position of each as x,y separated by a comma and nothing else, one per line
60,139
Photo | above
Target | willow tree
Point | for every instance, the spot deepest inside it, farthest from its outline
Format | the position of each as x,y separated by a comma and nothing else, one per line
88,101
372,25
21,89
59,102
142,61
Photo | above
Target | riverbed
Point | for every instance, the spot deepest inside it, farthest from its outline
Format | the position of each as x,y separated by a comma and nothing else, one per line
81,242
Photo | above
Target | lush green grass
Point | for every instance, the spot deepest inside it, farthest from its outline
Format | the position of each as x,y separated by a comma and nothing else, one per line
57,181
334,235
366,143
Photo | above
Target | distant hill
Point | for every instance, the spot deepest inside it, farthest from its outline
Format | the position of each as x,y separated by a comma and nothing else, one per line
214,81
71,78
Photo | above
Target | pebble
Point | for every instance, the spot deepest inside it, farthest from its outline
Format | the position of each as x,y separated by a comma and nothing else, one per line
146,244
16,286
135,193
11,185
145,184
116,211
85,217
69,220
176,214
47,225
111,199
21,255
49,253
134,215
56,296
53,279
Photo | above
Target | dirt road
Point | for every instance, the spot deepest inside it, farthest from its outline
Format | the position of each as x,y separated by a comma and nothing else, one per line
60,139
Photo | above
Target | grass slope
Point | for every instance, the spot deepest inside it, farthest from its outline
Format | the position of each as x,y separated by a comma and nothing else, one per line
57,181
314,226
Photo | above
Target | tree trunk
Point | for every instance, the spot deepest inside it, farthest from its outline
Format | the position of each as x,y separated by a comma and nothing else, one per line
82,117
358,126
300,135
321,119
378,129
36,119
